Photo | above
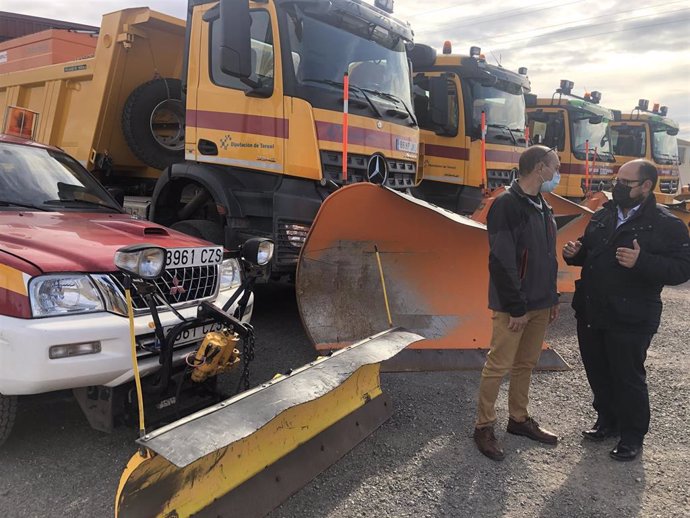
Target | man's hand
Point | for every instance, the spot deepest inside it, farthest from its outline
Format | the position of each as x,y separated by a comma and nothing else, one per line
518,323
571,248
628,256
555,311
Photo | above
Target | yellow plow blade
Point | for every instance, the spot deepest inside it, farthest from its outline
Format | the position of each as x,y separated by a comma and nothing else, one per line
434,265
245,456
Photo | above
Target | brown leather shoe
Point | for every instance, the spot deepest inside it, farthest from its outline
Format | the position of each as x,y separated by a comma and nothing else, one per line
530,428
487,443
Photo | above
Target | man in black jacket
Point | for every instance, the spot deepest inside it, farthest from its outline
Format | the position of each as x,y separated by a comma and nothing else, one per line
631,248
522,295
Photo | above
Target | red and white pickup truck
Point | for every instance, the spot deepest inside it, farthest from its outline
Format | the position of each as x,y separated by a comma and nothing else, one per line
63,315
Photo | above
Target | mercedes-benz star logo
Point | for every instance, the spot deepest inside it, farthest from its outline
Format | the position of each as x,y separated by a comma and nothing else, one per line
377,169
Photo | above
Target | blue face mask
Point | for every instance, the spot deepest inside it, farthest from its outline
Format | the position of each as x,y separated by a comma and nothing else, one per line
550,185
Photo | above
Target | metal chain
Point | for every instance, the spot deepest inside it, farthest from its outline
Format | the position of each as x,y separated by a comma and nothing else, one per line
248,354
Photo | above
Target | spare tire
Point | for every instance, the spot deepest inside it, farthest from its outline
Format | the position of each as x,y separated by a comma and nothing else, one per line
153,122
202,228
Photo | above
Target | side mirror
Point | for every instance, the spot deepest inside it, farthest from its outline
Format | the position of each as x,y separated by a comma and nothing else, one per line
257,251
118,195
235,46
438,101
672,131
538,117
596,119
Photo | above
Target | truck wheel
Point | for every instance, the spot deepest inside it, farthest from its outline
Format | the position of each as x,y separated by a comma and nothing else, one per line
202,228
153,122
8,410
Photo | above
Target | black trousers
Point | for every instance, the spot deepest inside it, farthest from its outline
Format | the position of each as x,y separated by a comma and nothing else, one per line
614,363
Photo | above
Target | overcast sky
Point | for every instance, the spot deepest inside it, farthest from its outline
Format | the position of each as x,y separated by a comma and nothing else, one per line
627,50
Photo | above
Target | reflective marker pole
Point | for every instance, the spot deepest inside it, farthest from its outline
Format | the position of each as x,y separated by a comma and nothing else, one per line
346,99
587,166
484,177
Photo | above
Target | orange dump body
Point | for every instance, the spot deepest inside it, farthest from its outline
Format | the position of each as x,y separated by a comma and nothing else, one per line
435,266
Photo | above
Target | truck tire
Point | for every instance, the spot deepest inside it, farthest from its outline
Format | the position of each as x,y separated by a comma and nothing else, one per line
153,122
8,410
202,228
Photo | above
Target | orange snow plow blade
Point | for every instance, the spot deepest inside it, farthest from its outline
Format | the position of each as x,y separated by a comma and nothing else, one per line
571,220
376,258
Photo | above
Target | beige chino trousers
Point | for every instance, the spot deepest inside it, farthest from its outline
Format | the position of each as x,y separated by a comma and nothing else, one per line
516,352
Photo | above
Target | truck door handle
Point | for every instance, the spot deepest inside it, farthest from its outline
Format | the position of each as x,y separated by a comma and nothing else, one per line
206,147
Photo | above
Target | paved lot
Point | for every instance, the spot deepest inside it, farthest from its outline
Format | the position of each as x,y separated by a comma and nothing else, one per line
420,463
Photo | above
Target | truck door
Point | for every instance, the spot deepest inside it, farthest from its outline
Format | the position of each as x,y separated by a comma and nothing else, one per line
235,122
445,151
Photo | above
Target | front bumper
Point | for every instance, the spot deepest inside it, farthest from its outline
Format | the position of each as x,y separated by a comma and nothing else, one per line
25,366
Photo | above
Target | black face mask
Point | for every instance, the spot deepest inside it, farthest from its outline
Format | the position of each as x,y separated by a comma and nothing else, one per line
621,195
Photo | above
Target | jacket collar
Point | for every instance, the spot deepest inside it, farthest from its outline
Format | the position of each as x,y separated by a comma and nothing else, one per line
648,204
517,190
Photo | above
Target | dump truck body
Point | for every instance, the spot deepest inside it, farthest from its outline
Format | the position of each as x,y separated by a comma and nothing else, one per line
652,136
461,159
79,104
578,129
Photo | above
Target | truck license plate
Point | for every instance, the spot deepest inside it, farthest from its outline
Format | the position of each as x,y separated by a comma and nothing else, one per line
188,257
195,334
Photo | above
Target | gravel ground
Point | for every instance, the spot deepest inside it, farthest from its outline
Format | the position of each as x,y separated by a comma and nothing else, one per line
422,462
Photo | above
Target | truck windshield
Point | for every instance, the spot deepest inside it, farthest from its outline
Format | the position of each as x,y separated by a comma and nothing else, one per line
629,140
664,146
324,47
588,127
503,104
48,180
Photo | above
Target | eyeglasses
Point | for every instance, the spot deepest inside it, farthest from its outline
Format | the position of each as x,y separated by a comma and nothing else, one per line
541,157
629,183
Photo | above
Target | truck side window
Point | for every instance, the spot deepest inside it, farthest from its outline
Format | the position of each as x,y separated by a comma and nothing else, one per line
421,99
548,129
262,53
629,141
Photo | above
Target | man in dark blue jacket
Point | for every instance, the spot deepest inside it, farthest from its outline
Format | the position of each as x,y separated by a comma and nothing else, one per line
631,248
522,295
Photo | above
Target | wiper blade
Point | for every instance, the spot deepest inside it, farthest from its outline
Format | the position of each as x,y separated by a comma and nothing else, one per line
503,126
82,202
6,203
392,97
354,88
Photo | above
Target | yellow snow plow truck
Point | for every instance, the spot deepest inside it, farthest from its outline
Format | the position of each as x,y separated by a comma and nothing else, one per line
472,144
243,106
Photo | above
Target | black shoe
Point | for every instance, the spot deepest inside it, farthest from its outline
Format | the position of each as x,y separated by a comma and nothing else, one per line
600,432
625,452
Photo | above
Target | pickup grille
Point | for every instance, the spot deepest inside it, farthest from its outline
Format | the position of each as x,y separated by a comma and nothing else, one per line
178,285
402,174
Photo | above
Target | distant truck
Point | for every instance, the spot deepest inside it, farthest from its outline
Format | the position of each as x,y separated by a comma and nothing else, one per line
649,134
578,129
63,313
241,105
474,144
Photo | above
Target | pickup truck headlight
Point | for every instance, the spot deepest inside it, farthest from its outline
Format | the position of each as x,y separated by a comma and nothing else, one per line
230,274
64,294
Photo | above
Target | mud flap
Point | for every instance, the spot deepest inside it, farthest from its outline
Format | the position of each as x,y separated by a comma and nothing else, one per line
435,269
246,455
